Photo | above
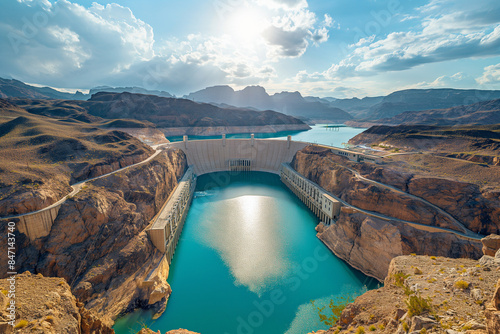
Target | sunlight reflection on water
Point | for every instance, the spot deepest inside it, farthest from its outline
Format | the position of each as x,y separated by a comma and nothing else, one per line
243,231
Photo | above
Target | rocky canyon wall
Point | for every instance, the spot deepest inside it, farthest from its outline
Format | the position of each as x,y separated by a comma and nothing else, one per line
98,242
369,244
477,209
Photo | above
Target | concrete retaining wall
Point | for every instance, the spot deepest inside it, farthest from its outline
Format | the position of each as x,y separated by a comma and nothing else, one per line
37,224
167,228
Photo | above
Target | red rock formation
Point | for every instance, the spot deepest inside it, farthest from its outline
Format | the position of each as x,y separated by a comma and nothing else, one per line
322,167
478,209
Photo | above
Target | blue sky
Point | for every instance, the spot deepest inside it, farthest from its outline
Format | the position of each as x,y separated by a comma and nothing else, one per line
339,48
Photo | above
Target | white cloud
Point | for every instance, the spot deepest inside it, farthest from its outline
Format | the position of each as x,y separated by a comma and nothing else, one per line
290,34
455,80
284,4
452,30
491,75
68,45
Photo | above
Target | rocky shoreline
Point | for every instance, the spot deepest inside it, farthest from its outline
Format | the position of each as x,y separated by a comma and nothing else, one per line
369,244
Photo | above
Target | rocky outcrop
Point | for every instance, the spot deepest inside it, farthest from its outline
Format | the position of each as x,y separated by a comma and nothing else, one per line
39,196
326,169
492,312
98,243
491,244
439,294
369,244
87,171
477,209
491,250
34,198
46,305
150,136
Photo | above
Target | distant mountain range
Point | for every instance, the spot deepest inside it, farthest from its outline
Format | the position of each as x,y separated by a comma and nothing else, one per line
154,111
134,90
288,103
481,113
15,88
354,111
422,99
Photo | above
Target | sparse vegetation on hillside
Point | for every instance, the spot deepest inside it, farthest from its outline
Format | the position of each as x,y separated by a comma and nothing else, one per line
41,154
329,316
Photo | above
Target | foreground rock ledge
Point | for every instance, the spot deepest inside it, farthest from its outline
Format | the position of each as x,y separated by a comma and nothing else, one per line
464,296
46,305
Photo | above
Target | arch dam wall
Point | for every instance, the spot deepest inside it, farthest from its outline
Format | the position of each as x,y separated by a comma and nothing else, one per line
218,155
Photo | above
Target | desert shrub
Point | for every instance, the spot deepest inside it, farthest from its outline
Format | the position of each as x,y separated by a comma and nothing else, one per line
336,306
418,305
461,284
21,324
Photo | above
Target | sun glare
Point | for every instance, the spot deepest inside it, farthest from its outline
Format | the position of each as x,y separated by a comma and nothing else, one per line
246,24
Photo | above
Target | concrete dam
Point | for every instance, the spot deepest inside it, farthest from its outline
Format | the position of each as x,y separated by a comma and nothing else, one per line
237,155
219,155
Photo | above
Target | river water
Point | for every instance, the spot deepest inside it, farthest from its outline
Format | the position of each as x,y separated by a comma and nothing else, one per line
249,262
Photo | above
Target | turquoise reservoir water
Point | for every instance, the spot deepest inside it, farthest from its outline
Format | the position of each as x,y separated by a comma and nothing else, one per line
319,134
249,262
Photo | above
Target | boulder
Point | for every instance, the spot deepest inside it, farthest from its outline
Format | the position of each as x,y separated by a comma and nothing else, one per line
419,322
491,244
492,312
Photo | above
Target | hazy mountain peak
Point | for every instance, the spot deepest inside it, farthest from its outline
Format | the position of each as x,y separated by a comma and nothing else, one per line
256,88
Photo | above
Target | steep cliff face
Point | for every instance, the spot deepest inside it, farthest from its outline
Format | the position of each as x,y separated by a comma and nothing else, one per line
327,169
369,244
98,243
476,208
46,305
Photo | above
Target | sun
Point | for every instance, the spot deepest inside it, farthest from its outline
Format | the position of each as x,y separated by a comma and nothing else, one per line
246,24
